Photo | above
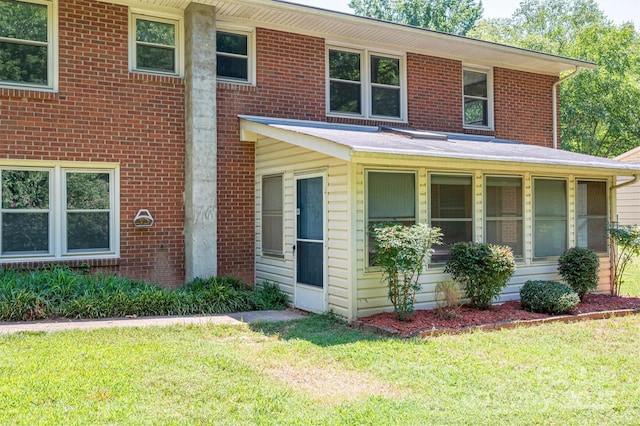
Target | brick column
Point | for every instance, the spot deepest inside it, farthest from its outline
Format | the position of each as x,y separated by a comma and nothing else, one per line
200,228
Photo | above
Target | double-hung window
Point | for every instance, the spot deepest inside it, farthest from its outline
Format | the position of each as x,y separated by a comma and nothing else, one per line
155,45
591,202
57,212
550,217
234,50
503,212
451,211
477,98
365,84
272,215
391,198
27,47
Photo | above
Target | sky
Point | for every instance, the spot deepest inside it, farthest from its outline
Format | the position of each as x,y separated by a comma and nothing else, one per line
617,10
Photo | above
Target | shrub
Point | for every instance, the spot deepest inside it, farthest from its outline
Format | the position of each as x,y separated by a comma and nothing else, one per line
579,269
625,242
448,299
401,252
269,297
482,269
549,297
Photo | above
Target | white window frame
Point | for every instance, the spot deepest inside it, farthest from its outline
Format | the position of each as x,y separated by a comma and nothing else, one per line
272,253
470,220
250,33
605,216
366,204
534,218
366,83
52,50
505,218
176,20
490,116
58,212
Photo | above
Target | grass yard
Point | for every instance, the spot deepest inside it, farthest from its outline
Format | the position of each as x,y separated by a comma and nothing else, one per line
316,371
631,285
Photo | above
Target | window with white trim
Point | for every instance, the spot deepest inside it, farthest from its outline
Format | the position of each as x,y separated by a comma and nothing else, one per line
503,212
477,98
155,45
57,212
451,211
592,218
234,53
365,84
27,47
272,215
391,197
549,217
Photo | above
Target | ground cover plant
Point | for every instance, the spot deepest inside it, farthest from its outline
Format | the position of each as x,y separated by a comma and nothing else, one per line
317,371
58,291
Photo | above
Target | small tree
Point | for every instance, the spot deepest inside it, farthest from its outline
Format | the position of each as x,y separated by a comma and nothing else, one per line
401,252
625,243
578,267
482,269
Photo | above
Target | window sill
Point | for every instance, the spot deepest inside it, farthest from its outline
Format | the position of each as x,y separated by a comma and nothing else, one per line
236,85
156,78
29,93
72,263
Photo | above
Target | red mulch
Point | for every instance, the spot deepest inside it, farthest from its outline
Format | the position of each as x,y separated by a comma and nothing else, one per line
508,311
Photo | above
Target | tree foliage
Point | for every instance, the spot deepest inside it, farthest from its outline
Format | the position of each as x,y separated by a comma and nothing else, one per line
450,16
625,241
597,113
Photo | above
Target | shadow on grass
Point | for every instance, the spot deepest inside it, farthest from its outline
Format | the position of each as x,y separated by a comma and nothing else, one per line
321,330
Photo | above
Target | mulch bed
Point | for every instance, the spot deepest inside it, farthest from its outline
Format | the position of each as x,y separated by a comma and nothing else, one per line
427,322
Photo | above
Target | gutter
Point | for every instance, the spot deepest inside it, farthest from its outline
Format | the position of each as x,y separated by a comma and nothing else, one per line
554,95
636,179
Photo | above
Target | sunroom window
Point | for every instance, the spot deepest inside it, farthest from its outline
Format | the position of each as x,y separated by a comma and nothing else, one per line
550,217
591,202
503,211
391,198
451,211
26,49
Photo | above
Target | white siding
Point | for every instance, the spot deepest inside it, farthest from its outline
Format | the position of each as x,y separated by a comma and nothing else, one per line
628,197
275,157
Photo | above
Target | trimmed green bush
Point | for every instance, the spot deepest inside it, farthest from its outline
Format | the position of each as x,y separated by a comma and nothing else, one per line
579,269
57,291
548,297
482,269
268,296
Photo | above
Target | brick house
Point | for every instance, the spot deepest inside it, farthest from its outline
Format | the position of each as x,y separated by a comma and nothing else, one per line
228,120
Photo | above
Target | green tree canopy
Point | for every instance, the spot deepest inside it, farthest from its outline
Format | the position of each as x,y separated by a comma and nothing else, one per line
598,113
450,16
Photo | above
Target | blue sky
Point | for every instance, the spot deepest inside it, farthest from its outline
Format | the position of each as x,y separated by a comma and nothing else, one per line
617,10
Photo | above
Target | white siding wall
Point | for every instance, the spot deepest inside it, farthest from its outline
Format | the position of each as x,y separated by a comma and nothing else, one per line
372,292
628,197
275,157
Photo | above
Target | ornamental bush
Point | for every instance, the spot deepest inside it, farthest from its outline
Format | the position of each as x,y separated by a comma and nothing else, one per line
401,252
579,269
482,269
548,297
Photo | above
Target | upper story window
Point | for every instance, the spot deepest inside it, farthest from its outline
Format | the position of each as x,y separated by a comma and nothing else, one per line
365,84
155,45
477,98
234,52
55,212
27,43
592,218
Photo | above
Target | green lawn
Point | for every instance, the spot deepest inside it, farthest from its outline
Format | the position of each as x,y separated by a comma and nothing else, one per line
631,283
315,371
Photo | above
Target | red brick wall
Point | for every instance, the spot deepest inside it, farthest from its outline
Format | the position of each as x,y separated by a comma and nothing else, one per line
103,113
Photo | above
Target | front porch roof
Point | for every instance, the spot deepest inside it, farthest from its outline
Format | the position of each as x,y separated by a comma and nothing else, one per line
359,143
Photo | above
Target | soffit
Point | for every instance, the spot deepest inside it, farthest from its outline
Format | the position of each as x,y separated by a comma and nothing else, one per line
338,27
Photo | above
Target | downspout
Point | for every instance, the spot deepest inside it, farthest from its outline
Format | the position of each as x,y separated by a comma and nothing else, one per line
554,95
636,179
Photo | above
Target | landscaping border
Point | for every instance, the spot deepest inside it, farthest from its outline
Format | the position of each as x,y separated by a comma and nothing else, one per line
425,333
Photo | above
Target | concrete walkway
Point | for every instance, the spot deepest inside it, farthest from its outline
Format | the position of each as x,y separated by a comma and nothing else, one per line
89,324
